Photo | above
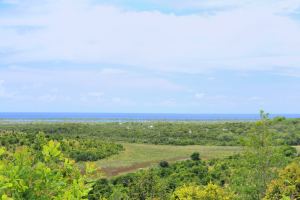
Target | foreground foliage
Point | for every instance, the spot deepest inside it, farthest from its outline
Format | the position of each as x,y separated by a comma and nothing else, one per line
287,185
260,161
47,174
209,192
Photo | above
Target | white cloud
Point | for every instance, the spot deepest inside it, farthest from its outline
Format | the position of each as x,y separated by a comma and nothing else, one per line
211,78
10,1
167,102
3,91
199,95
81,85
251,36
255,98
92,97
95,94
47,98
116,99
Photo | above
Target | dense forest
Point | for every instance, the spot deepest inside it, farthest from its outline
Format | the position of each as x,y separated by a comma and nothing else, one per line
55,161
79,149
286,131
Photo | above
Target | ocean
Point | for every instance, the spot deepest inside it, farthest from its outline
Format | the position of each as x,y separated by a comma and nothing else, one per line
124,117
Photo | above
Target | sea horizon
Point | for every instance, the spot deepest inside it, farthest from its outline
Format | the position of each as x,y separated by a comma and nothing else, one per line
116,117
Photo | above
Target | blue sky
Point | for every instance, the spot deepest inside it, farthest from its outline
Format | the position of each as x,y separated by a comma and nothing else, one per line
172,56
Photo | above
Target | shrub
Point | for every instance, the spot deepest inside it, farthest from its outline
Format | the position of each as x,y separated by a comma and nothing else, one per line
163,164
209,192
287,185
290,151
195,156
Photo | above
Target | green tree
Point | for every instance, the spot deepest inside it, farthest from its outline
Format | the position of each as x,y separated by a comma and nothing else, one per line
257,166
23,175
147,186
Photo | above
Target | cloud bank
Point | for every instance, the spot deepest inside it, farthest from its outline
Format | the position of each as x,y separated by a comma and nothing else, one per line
246,37
150,55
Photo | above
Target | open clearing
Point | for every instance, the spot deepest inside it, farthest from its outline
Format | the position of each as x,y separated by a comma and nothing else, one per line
136,156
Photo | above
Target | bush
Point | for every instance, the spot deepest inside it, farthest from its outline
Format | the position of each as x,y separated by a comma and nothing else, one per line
209,192
290,151
163,164
279,119
195,156
286,186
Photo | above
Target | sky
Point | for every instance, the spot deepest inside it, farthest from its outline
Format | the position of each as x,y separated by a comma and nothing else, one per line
150,56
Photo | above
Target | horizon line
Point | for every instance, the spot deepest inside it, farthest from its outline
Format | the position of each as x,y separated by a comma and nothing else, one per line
80,112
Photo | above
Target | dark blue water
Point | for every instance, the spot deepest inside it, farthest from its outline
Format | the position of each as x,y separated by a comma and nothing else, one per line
103,117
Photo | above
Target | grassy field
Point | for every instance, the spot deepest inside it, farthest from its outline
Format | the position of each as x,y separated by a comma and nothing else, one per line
138,156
